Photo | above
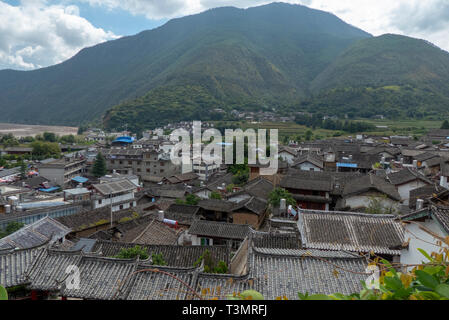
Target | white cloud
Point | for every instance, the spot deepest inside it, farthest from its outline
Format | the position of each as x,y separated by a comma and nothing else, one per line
35,34
422,19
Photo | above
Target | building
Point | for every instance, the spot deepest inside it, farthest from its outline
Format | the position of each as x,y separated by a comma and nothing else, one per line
118,195
61,171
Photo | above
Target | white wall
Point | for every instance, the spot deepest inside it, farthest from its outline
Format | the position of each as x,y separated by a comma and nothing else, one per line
307,166
287,157
107,201
404,190
360,201
412,232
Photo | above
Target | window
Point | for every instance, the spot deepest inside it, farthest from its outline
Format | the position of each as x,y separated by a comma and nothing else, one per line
205,241
100,201
162,170
121,207
148,170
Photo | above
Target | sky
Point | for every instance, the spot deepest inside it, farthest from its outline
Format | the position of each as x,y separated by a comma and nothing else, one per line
40,33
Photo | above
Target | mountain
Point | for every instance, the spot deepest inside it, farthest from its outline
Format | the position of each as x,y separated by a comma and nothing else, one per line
390,75
227,57
282,56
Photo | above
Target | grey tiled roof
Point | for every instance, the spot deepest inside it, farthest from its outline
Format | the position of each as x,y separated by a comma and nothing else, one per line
35,234
99,277
406,175
174,255
149,285
115,187
276,240
222,230
220,285
13,264
285,273
47,273
357,232
442,216
371,182
216,205
302,183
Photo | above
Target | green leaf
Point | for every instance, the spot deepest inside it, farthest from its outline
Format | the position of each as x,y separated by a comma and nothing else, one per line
426,279
3,293
443,290
393,283
319,297
425,254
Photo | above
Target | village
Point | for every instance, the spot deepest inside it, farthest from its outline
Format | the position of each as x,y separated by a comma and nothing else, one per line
137,227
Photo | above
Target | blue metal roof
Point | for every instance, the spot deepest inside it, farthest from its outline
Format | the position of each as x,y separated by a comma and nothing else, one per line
124,139
347,165
80,179
49,189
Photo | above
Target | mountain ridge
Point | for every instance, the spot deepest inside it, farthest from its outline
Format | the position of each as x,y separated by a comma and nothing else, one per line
282,56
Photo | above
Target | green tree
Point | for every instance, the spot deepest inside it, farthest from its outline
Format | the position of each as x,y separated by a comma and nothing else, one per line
23,170
445,125
11,228
192,199
215,195
158,259
377,205
49,137
99,169
279,193
308,135
210,265
45,149
133,253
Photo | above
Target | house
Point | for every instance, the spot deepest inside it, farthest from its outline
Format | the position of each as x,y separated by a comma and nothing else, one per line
359,194
407,180
61,171
117,195
216,210
423,228
86,222
354,232
9,175
250,212
18,151
308,191
287,154
43,231
309,162
211,233
77,195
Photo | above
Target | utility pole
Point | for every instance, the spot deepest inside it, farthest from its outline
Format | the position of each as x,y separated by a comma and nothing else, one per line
110,198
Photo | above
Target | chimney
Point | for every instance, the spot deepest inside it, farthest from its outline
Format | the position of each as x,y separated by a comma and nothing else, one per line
282,206
160,215
443,182
419,204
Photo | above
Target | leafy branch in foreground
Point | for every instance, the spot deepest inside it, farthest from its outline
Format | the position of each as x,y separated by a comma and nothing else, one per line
427,281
